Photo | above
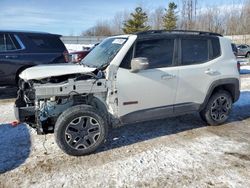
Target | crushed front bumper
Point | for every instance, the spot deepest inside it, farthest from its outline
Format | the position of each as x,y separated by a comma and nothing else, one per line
25,114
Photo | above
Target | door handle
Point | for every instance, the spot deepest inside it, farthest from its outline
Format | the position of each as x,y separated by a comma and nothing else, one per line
11,56
212,72
167,76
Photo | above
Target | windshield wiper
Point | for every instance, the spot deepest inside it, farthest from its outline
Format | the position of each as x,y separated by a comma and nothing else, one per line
103,66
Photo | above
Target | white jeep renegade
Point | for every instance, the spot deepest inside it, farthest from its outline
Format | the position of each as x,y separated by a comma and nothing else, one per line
130,78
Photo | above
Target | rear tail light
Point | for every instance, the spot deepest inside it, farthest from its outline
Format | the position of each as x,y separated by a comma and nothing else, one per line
66,55
79,58
75,58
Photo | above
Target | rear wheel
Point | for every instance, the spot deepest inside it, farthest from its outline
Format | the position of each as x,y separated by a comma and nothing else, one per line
80,130
248,55
218,108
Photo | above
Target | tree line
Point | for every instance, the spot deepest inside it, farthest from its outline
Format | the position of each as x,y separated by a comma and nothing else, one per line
229,20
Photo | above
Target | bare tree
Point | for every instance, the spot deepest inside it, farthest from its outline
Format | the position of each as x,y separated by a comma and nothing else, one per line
232,24
118,21
245,18
156,18
211,20
102,28
230,20
188,14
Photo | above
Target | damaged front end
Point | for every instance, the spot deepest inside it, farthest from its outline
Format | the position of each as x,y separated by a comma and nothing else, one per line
40,102
25,103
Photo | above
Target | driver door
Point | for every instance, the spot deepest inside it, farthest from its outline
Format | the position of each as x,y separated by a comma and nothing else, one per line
148,94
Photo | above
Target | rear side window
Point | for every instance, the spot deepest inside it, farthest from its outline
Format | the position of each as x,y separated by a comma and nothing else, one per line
199,50
158,51
216,48
47,42
194,51
8,43
2,43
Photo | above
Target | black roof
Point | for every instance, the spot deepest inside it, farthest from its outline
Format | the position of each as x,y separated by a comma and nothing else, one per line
27,32
180,32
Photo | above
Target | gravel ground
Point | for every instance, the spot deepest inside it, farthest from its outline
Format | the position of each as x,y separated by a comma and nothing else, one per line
175,152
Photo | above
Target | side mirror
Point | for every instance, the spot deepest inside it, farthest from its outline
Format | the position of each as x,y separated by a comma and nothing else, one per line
139,63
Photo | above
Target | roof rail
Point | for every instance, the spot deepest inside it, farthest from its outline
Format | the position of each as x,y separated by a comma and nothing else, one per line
178,32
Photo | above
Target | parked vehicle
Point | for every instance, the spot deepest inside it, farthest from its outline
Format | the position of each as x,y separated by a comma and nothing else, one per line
21,49
130,78
76,57
244,50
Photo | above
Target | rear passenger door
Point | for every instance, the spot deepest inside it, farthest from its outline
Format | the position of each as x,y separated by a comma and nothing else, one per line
197,56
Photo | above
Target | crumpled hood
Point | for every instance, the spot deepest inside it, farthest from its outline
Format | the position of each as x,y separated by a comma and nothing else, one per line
45,71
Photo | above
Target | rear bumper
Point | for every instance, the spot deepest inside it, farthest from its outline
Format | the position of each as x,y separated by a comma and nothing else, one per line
25,114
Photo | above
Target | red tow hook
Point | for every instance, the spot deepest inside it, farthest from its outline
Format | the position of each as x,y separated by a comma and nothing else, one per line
15,123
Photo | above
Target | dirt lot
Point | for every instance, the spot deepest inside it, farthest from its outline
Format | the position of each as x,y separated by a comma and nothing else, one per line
175,152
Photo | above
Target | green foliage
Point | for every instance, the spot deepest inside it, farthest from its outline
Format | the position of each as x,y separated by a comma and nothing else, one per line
170,17
137,22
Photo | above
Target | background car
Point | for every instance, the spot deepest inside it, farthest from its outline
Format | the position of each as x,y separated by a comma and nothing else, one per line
76,57
20,50
244,50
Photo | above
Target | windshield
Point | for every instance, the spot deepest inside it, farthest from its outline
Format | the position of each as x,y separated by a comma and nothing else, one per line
104,53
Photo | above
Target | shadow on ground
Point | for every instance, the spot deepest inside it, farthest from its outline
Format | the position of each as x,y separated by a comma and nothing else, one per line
244,70
15,146
8,92
15,143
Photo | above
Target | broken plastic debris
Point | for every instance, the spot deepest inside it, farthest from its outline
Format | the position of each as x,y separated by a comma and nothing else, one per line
15,123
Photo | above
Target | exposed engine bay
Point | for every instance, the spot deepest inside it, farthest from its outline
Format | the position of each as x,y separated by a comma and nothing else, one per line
40,102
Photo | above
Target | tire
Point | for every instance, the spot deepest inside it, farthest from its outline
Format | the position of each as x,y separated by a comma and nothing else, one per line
80,130
202,116
248,55
218,108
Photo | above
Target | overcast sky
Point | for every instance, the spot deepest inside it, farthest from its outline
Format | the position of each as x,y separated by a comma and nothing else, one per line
74,16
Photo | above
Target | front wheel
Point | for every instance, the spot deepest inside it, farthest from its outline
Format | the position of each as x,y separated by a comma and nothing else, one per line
218,108
80,130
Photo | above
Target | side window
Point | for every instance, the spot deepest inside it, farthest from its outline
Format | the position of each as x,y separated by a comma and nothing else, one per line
243,47
40,42
2,43
126,62
158,51
47,42
216,48
194,51
10,44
